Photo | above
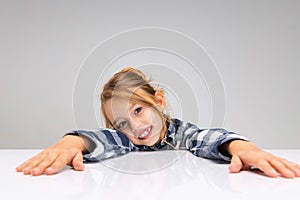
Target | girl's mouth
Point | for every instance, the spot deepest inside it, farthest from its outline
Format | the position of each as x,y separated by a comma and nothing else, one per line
145,134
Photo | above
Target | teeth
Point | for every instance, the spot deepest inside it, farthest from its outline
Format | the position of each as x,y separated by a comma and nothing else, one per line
146,132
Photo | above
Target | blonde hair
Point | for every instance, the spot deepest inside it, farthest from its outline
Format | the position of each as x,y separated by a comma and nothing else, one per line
132,84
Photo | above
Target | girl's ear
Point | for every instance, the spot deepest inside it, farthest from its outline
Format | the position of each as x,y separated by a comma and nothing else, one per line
160,99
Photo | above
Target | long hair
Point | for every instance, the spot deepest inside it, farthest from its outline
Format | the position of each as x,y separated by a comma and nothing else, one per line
132,84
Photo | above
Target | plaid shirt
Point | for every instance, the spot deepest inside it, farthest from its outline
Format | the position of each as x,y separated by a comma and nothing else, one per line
108,143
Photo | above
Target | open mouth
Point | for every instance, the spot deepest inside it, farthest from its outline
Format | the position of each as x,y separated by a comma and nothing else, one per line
145,134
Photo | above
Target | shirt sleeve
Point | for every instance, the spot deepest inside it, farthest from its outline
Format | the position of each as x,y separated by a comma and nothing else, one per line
103,143
206,142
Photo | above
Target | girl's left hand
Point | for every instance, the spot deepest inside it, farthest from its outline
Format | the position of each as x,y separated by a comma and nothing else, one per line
246,155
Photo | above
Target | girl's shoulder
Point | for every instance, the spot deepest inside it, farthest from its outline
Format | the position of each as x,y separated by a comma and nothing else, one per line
180,124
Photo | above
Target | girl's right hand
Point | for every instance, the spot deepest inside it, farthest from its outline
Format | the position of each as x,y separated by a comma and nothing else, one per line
67,151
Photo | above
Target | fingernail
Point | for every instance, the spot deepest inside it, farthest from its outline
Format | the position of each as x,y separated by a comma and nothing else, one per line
35,171
298,172
49,170
26,170
289,174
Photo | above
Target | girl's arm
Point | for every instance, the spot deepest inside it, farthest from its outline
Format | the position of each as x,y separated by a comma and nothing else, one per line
246,155
76,147
67,151
221,144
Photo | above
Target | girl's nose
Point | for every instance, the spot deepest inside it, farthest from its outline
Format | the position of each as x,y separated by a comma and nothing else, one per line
135,125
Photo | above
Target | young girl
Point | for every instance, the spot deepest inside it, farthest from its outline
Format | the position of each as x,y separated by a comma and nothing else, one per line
136,120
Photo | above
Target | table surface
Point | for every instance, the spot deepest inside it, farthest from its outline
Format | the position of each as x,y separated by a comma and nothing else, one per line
146,175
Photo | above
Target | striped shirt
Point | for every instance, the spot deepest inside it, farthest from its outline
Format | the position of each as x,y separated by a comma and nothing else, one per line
109,143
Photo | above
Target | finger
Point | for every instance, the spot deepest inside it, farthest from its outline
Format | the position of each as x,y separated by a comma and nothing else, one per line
58,164
77,162
25,164
267,168
284,170
20,167
32,163
40,168
294,167
236,164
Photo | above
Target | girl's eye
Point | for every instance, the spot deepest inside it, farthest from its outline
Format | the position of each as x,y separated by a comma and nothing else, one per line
121,124
138,110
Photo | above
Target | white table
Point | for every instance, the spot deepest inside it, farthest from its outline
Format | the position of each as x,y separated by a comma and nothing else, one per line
146,175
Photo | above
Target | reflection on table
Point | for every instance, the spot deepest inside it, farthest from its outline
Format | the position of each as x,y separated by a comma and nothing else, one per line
146,175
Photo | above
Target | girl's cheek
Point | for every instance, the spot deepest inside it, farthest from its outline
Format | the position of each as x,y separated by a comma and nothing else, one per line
147,116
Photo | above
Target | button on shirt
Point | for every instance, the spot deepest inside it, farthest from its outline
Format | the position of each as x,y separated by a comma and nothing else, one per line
108,143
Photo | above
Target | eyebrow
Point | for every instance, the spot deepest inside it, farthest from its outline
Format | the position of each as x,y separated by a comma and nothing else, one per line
115,121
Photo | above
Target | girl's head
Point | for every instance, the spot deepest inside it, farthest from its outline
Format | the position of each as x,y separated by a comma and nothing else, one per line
131,105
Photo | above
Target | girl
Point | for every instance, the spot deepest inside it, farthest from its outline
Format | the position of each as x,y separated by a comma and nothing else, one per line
136,120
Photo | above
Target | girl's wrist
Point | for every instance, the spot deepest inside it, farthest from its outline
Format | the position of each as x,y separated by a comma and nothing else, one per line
75,142
236,146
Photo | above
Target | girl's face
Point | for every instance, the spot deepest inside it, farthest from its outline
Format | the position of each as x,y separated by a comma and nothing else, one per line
141,124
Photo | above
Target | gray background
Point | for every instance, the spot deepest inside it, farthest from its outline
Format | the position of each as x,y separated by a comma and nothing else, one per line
253,43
